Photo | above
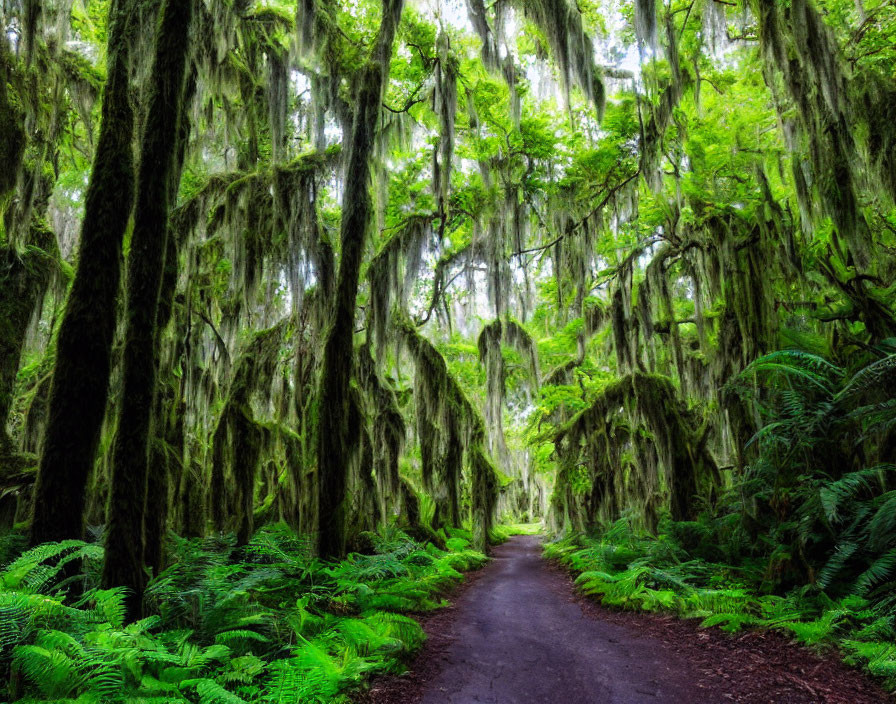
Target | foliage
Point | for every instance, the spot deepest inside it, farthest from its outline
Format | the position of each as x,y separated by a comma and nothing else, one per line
628,569
820,487
266,622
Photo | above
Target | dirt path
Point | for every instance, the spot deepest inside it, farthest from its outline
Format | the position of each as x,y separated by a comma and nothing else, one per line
518,634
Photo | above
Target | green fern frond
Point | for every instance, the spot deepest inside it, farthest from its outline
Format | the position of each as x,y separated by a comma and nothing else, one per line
836,494
240,634
879,376
210,692
882,527
42,565
883,568
730,623
836,563
810,632
52,672
821,381
244,670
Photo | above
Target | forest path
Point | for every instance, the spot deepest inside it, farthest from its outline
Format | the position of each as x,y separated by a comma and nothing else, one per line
519,634
519,637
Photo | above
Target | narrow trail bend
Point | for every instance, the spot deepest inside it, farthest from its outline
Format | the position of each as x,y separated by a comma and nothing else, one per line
520,635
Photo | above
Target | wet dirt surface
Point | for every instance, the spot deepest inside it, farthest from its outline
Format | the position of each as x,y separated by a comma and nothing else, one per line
519,633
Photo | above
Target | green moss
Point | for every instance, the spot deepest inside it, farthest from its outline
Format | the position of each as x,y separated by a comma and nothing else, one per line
671,463
451,433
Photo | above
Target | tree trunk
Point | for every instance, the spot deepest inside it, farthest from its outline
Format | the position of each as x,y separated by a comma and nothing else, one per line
146,269
336,442
169,412
84,347
24,279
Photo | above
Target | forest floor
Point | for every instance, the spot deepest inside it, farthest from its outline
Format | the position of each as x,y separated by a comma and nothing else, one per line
519,633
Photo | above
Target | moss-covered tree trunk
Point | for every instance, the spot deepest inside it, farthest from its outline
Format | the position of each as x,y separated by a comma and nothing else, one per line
167,453
15,284
84,347
24,276
335,446
166,449
146,269
23,282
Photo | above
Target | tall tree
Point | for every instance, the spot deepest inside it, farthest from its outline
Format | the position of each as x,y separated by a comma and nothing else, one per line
168,421
336,440
146,269
84,348
16,290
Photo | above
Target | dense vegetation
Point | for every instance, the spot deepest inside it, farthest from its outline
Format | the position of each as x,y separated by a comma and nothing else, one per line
300,299
264,623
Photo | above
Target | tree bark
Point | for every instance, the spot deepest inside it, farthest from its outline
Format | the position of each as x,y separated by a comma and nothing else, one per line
83,354
169,413
336,442
146,270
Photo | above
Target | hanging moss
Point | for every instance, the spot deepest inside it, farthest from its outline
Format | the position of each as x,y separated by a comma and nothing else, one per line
445,106
562,25
804,63
492,357
364,512
24,280
446,424
393,271
645,23
573,49
491,340
33,9
388,434
239,438
266,223
437,402
479,20
679,470
304,253
661,109
12,135
332,61
278,108
484,491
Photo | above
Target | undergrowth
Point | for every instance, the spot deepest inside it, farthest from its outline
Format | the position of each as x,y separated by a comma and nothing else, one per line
266,623
630,570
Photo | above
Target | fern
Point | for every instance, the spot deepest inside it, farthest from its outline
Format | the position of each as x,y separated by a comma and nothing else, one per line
53,672
240,635
837,563
883,568
879,657
848,487
877,377
41,567
243,670
882,527
210,692
810,632
731,623
275,621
